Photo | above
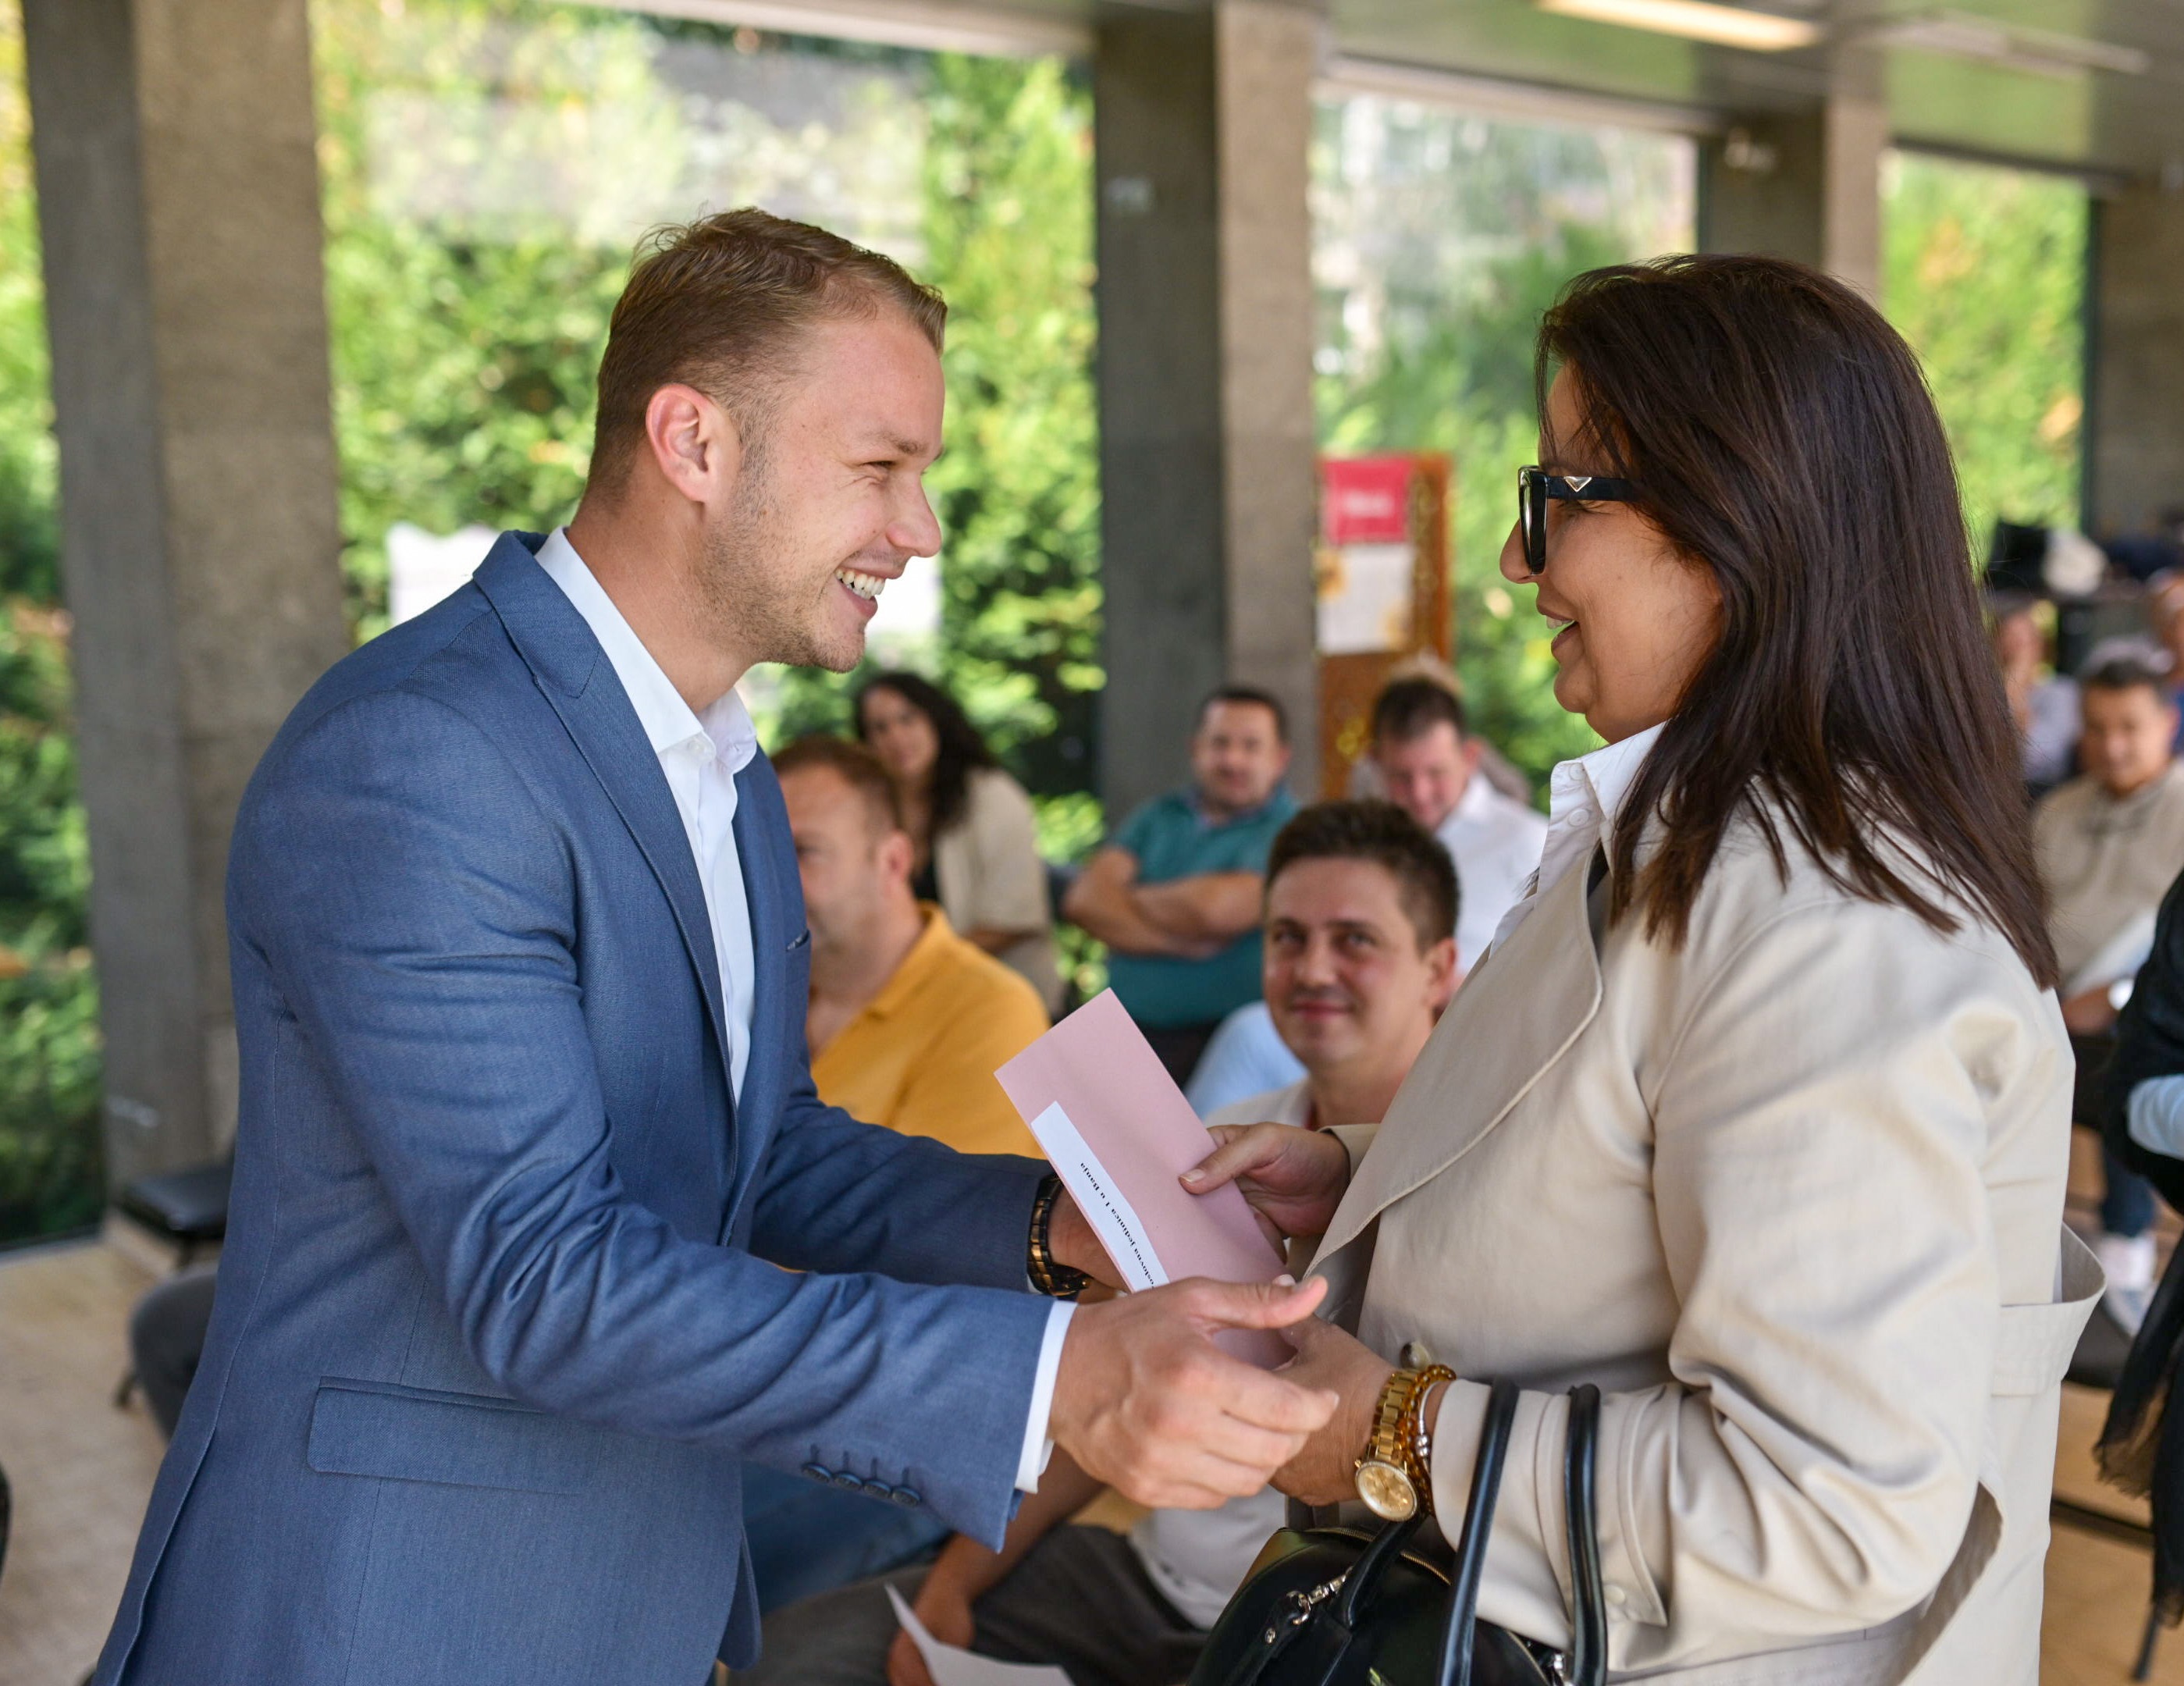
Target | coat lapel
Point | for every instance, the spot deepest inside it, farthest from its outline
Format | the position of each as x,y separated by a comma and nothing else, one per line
1483,1057
579,682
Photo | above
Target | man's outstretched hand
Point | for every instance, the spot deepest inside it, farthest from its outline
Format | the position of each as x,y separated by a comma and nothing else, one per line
1145,1402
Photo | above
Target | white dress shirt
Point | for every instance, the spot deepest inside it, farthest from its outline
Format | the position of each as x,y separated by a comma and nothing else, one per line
1585,798
1495,841
700,753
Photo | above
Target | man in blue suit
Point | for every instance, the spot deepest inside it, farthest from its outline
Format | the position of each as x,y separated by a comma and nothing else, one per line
538,1229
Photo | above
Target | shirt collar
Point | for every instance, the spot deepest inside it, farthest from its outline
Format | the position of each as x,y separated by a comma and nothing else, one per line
1195,805
925,954
1478,798
1592,790
667,719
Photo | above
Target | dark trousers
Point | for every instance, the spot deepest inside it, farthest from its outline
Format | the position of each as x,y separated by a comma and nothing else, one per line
1079,1600
166,1339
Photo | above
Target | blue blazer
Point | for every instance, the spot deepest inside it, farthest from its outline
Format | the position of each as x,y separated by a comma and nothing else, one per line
511,1284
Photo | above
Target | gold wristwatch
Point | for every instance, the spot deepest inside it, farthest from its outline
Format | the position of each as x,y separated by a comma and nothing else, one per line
1392,1476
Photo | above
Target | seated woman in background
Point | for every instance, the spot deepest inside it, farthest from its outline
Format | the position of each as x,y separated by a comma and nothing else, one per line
977,841
1757,1115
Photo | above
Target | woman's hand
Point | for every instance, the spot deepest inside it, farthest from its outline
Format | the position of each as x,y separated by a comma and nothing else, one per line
1293,1178
945,1608
1334,1361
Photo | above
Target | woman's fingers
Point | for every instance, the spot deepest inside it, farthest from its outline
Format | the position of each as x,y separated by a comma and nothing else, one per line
1242,1149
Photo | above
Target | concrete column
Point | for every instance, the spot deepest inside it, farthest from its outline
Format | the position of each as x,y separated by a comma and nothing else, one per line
1805,187
2135,443
178,198
1206,333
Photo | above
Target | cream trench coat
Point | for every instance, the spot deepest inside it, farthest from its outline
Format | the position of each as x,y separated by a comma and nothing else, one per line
1793,1198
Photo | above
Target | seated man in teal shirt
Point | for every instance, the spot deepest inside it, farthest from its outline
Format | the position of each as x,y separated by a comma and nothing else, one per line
1175,894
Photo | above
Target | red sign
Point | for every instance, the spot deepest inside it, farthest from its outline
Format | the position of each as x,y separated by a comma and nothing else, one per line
1366,500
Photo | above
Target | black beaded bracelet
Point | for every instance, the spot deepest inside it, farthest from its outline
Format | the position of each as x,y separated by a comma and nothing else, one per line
1052,1279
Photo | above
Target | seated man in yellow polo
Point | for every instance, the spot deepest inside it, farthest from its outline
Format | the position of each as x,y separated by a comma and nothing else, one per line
907,1022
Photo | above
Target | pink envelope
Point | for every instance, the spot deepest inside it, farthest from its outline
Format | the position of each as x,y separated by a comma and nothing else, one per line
1097,1066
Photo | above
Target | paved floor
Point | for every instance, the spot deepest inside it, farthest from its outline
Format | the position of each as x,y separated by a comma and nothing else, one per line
81,1471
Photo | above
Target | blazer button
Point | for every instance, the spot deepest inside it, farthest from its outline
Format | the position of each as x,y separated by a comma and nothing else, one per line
1617,1597
848,1483
879,1489
819,1472
906,1496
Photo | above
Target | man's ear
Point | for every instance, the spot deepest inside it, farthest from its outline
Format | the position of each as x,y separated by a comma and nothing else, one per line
1473,752
693,442
896,854
1443,975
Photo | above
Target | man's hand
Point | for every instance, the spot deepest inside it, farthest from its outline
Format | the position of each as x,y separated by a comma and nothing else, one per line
1330,1360
944,1607
1294,1179
1145,1402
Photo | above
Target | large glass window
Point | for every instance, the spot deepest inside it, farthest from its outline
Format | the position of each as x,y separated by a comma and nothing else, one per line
1985,274
1439,238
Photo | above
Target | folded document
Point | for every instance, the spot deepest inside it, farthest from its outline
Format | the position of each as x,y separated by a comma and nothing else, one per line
1120,1135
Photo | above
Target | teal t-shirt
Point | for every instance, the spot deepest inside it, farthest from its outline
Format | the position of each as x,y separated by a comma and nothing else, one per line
1172,838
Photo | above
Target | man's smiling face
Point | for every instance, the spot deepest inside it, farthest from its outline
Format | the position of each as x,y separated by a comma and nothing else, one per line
832,501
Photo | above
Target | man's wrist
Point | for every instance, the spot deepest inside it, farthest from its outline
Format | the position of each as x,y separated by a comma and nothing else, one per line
1048,1274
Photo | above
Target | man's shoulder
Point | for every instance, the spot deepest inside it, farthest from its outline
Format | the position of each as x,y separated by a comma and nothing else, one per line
1290,1105
1493,816
2068,800
966,980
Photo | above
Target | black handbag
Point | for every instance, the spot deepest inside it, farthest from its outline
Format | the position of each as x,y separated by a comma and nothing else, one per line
1338,1607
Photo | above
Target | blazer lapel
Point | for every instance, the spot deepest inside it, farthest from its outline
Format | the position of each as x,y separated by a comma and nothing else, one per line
579,682
761,827
1489,1049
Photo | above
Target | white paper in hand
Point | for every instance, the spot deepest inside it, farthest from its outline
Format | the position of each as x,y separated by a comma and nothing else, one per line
953,1666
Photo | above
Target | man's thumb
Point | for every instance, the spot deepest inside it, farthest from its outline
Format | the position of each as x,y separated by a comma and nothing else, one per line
1261,1304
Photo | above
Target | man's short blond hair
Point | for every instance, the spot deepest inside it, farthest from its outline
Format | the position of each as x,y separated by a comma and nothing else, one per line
719,304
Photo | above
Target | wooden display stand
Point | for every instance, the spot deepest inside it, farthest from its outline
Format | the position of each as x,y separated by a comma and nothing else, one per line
1381,576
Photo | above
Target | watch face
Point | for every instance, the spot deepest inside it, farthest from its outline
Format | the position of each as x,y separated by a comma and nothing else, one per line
1386,1490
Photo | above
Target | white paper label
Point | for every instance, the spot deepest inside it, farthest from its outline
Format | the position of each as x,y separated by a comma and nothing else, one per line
953,1666
1099,1200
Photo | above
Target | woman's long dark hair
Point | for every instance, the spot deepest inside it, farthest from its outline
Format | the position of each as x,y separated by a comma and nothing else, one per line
1782,437
962,750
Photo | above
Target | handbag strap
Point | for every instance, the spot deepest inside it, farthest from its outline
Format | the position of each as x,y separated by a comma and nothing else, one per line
1471,1545
1588,1651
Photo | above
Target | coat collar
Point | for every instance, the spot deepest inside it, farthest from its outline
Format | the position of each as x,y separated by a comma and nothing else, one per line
1486,1053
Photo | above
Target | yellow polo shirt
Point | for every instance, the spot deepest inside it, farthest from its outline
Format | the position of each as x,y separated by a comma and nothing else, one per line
920,1057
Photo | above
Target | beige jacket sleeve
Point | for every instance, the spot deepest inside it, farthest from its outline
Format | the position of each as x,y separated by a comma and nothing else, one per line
1824,1219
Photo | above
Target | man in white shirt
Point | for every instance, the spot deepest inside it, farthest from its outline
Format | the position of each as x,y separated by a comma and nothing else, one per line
1428,763
1358,964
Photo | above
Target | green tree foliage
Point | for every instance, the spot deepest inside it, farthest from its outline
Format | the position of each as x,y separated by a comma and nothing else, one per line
1440,239
1985,275
49,1144
1007,230
464,345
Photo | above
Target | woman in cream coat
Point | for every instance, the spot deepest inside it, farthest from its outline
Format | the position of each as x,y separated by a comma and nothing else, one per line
1756,1113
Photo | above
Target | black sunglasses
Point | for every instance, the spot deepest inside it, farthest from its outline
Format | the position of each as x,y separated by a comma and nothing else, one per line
1535,486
